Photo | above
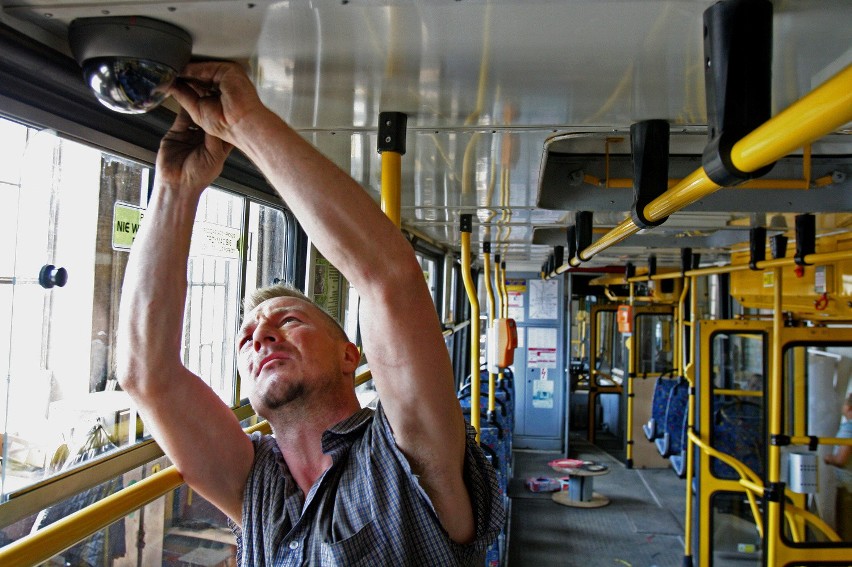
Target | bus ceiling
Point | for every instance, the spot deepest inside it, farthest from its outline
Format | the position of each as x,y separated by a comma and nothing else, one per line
530,102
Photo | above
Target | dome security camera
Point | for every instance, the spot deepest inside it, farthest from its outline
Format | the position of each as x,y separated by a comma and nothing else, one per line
129,62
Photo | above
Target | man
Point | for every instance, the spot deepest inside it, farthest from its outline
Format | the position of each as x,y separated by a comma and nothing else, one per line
336,484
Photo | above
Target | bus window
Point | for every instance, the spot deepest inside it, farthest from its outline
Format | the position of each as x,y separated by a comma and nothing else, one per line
737,427
454,311
267,253
213,296
605,344
70,213
350,319
268,245
61,280
737,410
654,335
738,362
430,273
817,380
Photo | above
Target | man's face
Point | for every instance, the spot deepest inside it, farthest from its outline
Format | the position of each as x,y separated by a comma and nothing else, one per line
287,350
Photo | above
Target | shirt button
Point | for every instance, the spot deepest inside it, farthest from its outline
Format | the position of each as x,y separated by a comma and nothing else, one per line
294,545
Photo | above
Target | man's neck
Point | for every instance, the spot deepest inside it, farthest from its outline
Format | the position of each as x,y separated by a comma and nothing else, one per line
300,440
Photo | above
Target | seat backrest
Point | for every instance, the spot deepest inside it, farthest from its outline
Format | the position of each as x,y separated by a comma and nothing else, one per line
675,410
678,460
738,432
659,402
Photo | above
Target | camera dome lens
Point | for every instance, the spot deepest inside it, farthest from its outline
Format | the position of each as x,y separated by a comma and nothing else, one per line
129,62
131,86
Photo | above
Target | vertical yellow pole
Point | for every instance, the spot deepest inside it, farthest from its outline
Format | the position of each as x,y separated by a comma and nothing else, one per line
689,374
798,374
631,373
772,529
391,186
489,290
466,228
499,292
505,312
498,288
680,351
391,145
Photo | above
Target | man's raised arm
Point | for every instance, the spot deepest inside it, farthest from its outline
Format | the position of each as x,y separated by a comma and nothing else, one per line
402,335
197,431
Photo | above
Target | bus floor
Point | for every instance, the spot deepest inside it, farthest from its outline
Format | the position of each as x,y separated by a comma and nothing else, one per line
641,527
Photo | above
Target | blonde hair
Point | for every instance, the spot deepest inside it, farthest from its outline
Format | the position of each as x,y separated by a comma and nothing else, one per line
262,294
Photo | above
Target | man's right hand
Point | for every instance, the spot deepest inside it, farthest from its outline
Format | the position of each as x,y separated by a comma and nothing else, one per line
218,95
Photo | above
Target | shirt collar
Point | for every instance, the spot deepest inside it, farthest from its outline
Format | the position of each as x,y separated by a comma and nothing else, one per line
341,434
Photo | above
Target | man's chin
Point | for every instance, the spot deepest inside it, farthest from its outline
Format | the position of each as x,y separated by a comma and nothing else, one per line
273,401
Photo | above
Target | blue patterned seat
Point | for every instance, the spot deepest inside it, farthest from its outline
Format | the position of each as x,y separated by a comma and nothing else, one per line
669,442
678,460
498,424
738,432
662,388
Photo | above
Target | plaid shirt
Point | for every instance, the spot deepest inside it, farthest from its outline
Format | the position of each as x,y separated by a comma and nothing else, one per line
366,509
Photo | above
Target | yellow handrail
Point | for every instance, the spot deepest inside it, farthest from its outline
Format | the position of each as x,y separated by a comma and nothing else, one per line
742,470
391,200
363,377
813,520
474,330
752,481
689,374
811,259
40,546
818,113
489,294
775,421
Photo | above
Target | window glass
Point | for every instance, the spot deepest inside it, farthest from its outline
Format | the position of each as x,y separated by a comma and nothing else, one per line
737,418
430,274
817,381
69,212
350,319
605,331
268,243
739,361
735,541
13,138
453,314
619,356
213,295
59,400
267,247
655,339
179,528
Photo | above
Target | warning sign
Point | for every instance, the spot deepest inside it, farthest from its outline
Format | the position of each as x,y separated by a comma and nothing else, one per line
208,239
126,220
541,347
218,240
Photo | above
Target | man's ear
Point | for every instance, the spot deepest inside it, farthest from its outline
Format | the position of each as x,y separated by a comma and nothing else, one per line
351,357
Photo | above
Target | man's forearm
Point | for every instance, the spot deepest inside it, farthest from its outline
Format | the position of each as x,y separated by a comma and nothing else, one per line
154,289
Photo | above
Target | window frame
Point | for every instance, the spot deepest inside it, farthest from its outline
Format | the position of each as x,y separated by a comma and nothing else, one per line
239,177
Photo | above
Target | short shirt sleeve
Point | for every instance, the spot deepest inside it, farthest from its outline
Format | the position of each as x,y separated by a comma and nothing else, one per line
481,482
